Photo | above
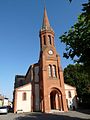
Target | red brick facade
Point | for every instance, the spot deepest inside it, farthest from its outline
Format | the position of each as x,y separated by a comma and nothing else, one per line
46,76
52,90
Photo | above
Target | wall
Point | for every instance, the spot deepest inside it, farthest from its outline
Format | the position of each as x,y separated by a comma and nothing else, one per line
36,80
5,102
25,106
1,103
72,100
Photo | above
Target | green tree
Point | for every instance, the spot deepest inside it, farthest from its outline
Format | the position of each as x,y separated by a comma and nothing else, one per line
76,76
77,39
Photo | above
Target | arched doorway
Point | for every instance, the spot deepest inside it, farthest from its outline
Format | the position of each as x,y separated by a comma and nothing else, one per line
55,100
52,100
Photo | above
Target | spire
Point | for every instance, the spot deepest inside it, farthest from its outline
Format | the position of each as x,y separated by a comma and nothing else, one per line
45,24
45,20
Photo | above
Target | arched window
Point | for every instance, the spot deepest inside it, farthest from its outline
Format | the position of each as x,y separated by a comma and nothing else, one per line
49,70
49,39
53,40
69,94
44,39
24,96
54,71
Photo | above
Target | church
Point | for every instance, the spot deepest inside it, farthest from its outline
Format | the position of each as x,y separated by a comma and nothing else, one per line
43,88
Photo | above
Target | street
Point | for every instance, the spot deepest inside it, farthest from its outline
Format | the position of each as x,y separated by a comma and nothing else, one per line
71,115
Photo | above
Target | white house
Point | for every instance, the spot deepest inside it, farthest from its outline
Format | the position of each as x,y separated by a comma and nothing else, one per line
5,102
1,100
71,96
23,98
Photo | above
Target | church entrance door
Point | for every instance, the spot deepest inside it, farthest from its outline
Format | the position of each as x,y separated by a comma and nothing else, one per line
52,100
55,100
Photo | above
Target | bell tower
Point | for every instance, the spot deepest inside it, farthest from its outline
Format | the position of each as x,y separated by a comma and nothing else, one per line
52,91
46,33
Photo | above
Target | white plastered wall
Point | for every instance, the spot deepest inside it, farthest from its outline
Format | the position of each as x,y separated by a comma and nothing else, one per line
72,100
24,105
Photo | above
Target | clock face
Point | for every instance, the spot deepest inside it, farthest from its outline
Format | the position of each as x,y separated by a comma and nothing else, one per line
50,52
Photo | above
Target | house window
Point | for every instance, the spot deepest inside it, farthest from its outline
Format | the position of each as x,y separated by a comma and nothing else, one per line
49,39
24,96
44,38
50,70
69,94
54,71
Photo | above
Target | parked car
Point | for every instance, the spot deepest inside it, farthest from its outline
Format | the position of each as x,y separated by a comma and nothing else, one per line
3,110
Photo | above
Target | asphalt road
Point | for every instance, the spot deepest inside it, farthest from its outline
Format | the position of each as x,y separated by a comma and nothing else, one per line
71,115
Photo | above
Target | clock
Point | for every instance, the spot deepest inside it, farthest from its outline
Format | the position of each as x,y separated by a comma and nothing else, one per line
50,52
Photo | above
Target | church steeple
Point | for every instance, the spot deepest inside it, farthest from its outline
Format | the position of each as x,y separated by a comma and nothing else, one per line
51,75
45,20
46,24
46,33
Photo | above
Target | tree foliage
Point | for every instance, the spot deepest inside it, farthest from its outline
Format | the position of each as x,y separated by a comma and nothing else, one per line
77,39
76,76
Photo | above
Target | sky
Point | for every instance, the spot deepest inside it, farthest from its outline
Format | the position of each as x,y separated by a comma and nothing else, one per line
20,22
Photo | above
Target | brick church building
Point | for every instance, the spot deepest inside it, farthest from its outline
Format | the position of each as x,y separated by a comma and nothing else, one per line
42,88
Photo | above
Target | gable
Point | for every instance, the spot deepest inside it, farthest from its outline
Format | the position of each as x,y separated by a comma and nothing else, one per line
69,87
25,87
